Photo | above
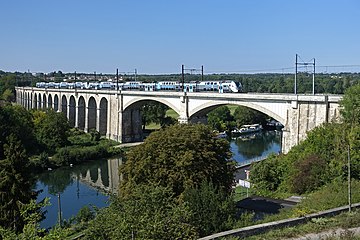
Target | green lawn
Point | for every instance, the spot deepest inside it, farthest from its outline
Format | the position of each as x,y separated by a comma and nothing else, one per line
169,113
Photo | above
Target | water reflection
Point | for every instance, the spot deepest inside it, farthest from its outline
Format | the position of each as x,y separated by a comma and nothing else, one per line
86,184
256,145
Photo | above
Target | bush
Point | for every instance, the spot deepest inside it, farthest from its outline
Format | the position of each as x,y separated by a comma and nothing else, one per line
212,209
77,154
309,174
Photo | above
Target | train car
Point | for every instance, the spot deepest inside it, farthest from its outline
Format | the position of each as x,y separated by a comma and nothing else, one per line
107,85
215,86
133,85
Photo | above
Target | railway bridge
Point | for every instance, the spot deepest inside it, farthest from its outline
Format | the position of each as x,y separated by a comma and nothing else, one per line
116,114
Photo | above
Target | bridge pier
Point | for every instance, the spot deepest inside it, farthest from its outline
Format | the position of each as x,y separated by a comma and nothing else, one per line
303,116
131,126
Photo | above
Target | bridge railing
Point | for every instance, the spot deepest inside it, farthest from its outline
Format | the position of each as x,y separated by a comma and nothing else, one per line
249,161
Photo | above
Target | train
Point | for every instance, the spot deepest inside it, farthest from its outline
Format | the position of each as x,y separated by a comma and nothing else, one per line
227,86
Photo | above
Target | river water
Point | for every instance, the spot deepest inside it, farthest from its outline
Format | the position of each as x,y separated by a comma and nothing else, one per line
71,188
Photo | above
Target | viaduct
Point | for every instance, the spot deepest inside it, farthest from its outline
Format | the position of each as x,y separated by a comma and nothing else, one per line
116,114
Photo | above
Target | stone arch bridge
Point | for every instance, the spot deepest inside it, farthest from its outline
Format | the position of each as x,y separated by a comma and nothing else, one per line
116,114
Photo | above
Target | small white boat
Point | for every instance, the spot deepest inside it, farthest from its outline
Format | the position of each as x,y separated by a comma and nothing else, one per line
245,129
221,135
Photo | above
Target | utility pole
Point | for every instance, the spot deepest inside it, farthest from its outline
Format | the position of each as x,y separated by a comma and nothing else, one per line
59,209
349,178
135,74
296,71
313,83
182,76
295,84
117,79
202,72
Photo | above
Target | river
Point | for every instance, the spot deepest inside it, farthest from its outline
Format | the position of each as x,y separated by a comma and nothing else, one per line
88,183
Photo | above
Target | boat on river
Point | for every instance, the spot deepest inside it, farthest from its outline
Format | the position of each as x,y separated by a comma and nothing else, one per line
221,135
247,129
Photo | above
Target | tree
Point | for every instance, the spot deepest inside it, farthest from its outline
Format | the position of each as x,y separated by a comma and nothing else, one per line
153,112
15,185
309,174
267,175
220,119
179,157
350,104
7,95
16,120
149,212
51,129
212,210
244,115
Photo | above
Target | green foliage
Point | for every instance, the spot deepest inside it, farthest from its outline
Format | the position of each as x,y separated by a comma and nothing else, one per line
51,129
16,120
77,154
95,135
212,209
149,212
153,112
351,105
332,195
220,119
244,115
180,157
7,95
7,87
15,185
266,176
309,174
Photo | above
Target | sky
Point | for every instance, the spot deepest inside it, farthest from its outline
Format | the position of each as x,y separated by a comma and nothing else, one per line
158,36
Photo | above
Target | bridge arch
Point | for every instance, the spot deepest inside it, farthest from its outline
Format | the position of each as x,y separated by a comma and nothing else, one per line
38,102
50,102
64,105
103,118
81,113
91,114
207,107
140,101
56,103
72,107
35,101
44,101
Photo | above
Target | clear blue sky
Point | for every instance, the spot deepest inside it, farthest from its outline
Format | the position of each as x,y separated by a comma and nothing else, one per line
157,36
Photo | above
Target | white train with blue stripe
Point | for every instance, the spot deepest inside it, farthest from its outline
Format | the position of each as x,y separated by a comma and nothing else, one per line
215,86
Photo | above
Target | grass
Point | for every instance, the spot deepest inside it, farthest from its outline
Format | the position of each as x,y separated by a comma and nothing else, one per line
344,221
232,108
169,113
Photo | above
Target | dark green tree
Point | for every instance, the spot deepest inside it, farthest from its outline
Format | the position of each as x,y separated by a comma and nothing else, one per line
212,210
350,104
15,184
51,129
16,120
179,157
220,119
149,212
153,112
309,174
